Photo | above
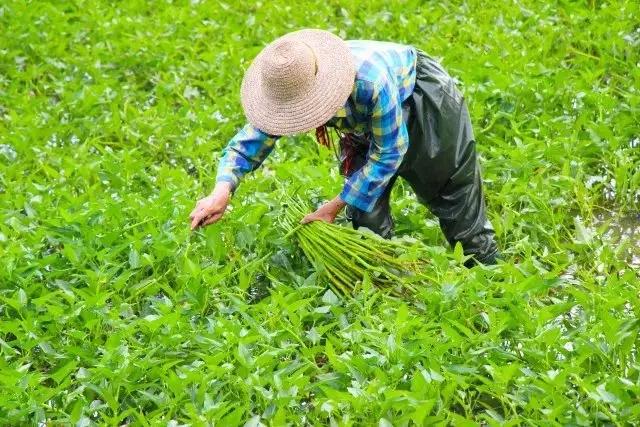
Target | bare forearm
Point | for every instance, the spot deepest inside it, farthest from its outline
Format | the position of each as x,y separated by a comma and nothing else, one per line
337,203
222,187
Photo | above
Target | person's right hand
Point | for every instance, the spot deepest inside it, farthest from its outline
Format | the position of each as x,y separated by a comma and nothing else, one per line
211,208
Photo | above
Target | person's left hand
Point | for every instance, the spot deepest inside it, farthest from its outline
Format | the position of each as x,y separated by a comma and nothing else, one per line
326,212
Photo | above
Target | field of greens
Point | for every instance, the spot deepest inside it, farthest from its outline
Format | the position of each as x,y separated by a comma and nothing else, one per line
112,118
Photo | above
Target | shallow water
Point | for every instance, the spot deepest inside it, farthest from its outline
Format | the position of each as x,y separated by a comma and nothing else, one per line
621,230
259,289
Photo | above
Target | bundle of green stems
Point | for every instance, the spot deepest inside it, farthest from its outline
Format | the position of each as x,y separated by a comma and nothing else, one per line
347,256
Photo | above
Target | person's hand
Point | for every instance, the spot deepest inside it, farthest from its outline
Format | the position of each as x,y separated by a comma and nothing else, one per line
326,212
211,208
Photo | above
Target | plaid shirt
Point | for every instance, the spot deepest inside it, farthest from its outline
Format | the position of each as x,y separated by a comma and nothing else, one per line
385,77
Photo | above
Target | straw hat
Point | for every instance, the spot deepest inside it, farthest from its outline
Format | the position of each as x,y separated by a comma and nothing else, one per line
298,82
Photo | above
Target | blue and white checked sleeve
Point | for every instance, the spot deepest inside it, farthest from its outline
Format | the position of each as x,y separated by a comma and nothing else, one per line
244,153
390,143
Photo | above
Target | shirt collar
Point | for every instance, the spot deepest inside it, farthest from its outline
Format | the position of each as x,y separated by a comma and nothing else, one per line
341,113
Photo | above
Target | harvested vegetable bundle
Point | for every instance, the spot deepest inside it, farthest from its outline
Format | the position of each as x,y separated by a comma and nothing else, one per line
346,256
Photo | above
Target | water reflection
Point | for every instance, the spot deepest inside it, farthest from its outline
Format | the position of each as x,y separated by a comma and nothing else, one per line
621,230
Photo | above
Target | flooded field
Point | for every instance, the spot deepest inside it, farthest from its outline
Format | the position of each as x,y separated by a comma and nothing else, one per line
621,231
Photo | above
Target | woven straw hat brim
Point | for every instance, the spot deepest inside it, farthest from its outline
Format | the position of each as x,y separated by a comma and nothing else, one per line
332,86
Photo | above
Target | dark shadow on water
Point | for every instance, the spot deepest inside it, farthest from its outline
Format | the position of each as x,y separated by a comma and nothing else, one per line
621,229
259,289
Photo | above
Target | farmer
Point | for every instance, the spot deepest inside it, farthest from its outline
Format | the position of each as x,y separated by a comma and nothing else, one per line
397,113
